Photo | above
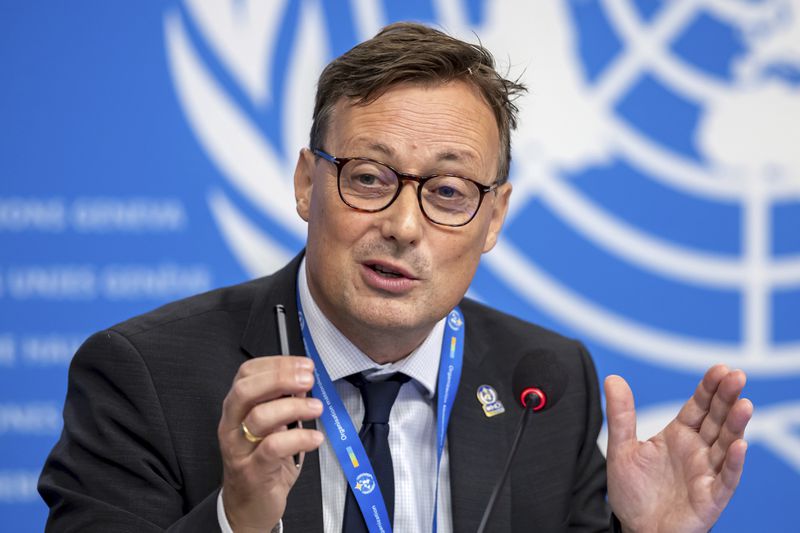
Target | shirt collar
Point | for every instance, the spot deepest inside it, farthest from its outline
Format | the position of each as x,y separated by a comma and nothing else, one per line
342,358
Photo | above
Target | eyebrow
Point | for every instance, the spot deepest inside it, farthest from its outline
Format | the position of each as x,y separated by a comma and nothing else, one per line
382,148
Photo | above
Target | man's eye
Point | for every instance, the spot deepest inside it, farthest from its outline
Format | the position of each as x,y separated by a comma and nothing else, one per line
366,179
446,192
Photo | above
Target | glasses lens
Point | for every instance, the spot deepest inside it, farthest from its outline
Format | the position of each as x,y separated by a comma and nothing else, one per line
450,200
367,185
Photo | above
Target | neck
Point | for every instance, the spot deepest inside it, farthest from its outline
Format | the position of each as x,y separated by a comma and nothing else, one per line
383,344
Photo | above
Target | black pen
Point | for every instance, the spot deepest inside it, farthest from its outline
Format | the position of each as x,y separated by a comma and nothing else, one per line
283,338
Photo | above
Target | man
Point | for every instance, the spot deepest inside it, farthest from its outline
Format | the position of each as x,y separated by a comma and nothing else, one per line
175,421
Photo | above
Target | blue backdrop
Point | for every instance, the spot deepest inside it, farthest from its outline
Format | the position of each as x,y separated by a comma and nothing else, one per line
147,149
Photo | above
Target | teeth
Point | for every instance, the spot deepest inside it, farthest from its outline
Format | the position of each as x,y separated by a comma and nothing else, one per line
385,272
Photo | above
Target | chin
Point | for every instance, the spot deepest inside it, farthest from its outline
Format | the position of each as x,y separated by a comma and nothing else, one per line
390,315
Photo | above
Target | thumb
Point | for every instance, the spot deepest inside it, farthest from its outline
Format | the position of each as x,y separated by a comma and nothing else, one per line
621,413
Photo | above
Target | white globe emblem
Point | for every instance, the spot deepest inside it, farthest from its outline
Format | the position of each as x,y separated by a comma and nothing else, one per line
552,143
365,483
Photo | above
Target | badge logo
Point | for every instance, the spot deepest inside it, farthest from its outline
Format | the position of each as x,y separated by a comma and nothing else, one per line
454,320
488,398
365,483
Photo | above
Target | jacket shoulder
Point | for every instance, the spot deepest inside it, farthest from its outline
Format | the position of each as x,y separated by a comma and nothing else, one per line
233,299
504,328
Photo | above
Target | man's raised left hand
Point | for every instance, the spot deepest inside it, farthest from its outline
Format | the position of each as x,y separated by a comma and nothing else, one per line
681,479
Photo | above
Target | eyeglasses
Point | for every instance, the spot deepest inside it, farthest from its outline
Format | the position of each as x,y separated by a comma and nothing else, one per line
371,186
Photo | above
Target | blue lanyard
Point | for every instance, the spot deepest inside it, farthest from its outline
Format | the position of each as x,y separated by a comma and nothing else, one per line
344,438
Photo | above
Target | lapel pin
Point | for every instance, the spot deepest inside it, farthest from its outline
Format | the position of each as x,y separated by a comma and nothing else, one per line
488,398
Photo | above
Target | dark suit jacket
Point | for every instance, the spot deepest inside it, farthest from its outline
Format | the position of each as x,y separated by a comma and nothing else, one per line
139,448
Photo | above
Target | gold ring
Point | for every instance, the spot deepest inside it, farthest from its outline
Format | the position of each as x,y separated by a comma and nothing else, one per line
249,436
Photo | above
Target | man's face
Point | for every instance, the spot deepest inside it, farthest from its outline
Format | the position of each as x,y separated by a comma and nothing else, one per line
395,272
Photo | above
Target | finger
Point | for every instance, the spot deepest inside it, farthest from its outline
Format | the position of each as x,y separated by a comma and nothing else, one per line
728,479
260,365
732,431
275,377
268,417
283,445
727,393
696,408
621,413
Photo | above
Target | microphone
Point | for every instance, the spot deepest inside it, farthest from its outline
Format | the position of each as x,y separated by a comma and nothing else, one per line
539,382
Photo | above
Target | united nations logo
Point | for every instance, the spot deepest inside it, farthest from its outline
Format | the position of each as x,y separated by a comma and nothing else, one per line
365,483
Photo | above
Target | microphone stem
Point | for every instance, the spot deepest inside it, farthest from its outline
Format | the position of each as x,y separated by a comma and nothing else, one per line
523,421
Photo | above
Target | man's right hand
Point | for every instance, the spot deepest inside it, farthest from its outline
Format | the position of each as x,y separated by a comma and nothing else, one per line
258,475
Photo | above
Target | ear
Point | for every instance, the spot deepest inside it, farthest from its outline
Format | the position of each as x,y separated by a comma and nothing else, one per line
499,210
303,182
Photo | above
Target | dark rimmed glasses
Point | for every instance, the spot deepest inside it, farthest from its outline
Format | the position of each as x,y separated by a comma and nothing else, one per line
371,186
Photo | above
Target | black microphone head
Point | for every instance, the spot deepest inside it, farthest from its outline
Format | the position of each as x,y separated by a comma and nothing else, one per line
539,371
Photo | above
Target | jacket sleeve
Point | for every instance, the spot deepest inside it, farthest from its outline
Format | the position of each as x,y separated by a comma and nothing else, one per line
114,467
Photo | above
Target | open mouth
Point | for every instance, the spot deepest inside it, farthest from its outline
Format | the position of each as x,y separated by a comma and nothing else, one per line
386,272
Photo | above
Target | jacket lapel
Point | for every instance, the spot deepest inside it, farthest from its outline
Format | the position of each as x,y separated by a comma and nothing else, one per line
304,504
477,444
260,336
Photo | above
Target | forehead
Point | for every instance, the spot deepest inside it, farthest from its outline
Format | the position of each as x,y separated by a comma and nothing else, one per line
421,128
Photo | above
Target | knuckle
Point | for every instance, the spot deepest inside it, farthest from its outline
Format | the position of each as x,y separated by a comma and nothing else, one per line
241,390
245,370
262,414
268,448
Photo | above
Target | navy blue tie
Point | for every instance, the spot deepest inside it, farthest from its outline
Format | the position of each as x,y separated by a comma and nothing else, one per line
378,396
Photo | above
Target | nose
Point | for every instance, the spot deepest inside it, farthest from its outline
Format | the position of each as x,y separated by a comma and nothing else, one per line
403,221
